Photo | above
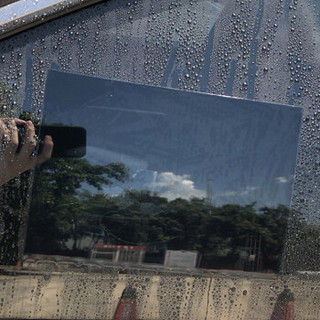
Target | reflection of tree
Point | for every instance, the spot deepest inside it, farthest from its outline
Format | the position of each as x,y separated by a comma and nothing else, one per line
59,213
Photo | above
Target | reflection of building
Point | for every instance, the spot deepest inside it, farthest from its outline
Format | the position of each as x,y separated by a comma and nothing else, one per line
181,258
117,253
253,261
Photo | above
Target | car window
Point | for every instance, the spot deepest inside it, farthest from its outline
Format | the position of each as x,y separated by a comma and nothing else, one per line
184,178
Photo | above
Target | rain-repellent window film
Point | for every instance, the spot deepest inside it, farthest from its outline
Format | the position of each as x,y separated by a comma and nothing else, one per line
198,155
192,190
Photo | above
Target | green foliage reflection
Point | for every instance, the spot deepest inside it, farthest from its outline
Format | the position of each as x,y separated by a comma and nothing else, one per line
62,216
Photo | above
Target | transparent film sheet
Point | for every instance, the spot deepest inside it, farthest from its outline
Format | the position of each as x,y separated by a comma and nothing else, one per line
182,144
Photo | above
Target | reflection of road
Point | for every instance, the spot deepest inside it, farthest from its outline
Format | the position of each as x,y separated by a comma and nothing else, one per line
223,295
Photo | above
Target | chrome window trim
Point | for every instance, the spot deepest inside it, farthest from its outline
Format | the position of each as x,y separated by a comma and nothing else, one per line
34,18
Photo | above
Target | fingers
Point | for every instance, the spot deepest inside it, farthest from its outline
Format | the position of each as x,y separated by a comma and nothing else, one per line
29,141
19,121
14,140
9,139
4,138
26,157
4,131
14,161
28,153
46,150
9,133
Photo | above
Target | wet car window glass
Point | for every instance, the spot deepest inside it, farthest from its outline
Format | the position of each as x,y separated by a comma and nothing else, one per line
186,205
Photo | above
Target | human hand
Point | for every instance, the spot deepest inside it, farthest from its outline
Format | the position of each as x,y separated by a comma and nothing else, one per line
12,163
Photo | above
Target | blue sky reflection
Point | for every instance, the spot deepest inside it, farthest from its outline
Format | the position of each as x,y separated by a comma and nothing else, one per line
182,144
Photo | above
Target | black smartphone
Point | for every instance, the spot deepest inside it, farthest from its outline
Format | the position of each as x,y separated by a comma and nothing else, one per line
69,141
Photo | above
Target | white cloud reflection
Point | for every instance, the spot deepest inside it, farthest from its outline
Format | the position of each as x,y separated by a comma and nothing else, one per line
281,179
172,186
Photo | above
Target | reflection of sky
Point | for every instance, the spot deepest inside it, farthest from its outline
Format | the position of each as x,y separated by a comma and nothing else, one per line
23,7
182,144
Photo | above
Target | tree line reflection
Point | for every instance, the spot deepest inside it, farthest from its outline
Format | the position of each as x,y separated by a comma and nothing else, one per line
65,219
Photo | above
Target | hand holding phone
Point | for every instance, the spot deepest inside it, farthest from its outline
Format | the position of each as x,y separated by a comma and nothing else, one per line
69,141
14,159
